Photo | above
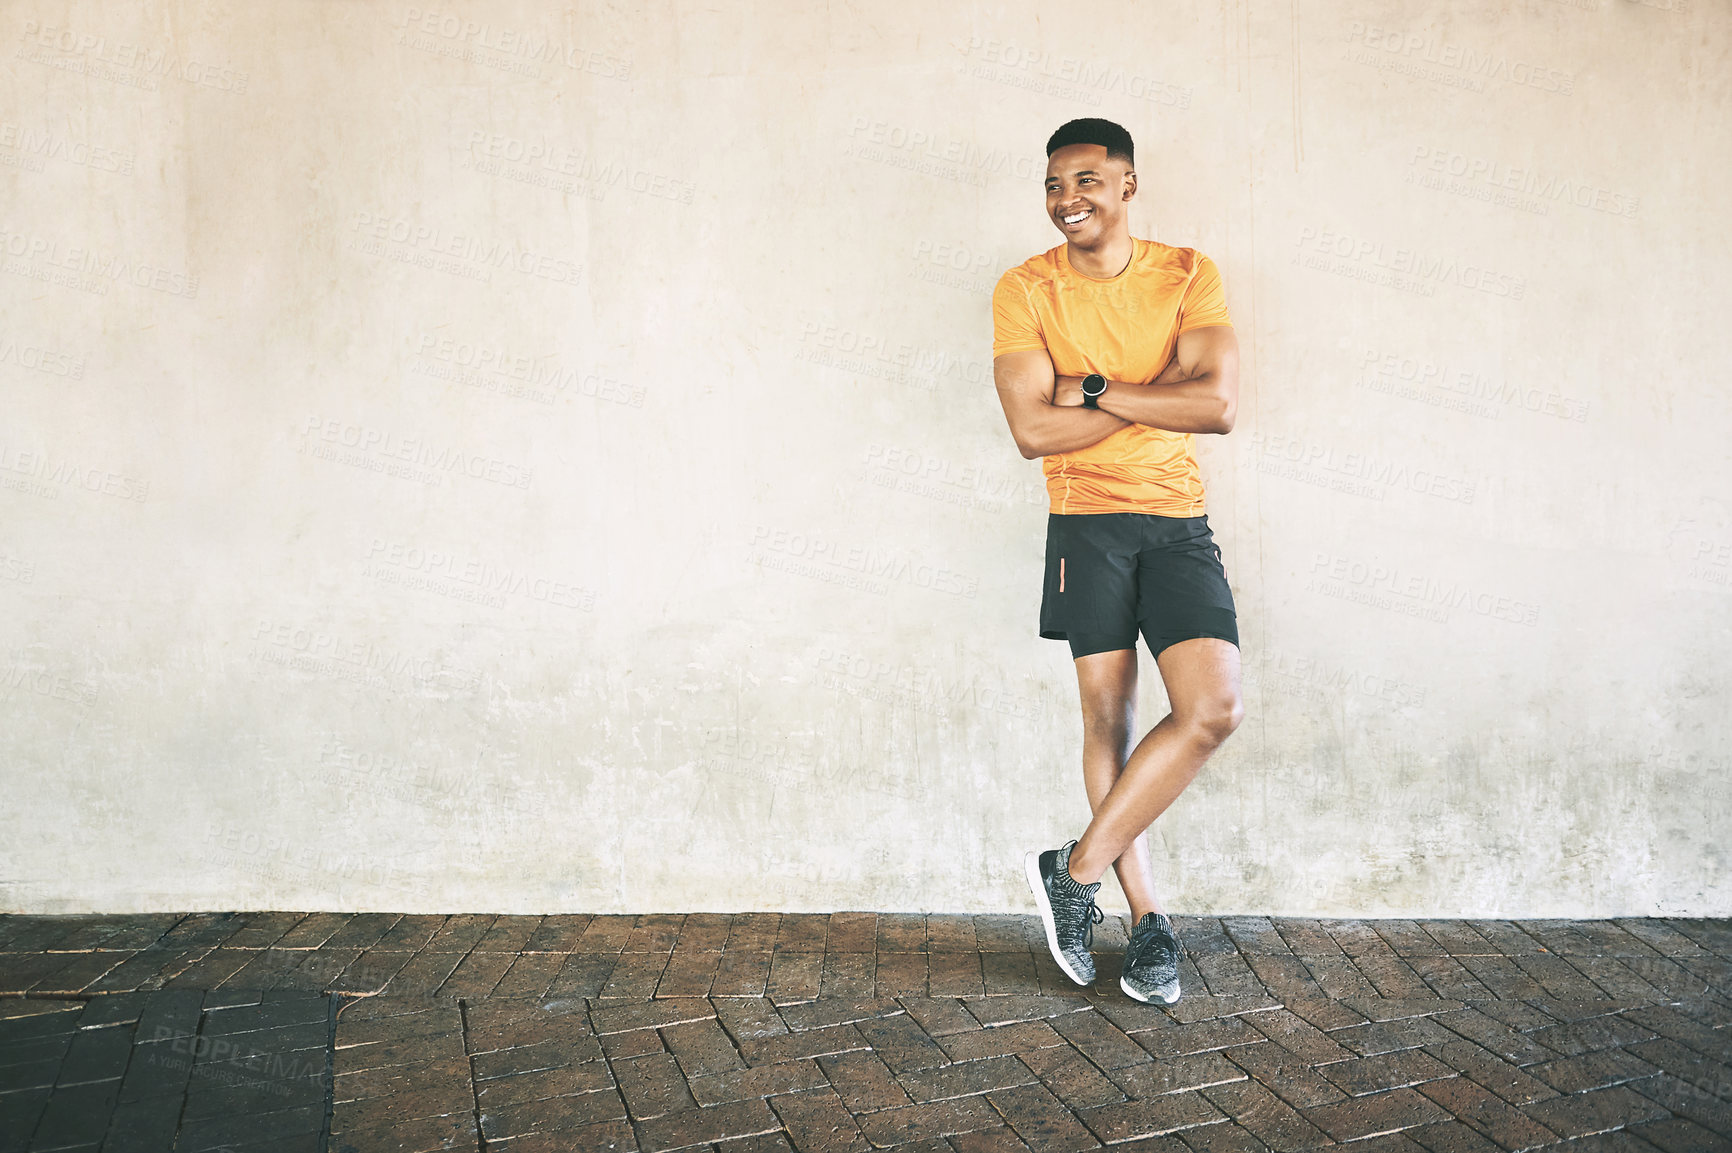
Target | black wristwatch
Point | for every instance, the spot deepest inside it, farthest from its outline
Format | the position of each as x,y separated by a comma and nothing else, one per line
1093,386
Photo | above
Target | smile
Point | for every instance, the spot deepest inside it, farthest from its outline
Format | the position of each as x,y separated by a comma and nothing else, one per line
1078,217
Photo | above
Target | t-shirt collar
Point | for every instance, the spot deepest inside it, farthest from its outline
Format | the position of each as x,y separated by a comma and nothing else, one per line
1064,262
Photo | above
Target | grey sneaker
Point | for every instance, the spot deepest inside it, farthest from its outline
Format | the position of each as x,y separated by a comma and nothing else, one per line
1151,969
1067,910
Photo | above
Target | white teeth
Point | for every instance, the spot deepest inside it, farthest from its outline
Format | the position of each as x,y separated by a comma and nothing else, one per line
1079,216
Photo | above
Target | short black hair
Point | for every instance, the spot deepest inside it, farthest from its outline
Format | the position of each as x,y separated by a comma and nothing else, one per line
1092,130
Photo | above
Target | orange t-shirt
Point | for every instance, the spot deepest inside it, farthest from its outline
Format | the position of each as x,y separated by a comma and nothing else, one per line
1125,329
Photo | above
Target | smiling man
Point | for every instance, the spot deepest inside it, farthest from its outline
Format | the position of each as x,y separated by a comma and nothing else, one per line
1110,354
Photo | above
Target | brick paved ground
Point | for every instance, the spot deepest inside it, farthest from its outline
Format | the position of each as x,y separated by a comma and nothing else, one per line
279,1032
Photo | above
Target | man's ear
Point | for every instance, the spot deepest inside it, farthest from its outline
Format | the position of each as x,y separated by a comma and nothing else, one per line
1130,185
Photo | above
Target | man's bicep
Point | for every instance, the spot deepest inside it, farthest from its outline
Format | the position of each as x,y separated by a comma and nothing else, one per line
1210,350
1023,378
1025,381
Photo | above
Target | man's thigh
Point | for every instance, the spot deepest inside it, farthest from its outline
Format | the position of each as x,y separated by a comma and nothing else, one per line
1201,676
1107,683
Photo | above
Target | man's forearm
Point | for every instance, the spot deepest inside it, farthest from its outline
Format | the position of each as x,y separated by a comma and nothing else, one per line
1065,428
1196,404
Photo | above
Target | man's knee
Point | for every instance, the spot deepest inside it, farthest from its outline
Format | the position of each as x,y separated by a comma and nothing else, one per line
1212,721
1107,718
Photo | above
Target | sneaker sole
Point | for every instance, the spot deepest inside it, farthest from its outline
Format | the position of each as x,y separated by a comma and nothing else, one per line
1031,863
1160,993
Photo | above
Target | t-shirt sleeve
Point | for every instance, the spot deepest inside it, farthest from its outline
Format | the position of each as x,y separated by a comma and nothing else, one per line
1015,327
1205,302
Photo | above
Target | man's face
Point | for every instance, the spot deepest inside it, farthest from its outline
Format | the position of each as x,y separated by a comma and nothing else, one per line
1086,193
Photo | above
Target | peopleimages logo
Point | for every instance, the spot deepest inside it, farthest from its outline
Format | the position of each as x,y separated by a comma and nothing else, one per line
1355,255
52,471
927,689
1495,177
935,154
815,555
429,241
48,144
1424,53
96,268
480,364
1387,586
1321,677
481,42
137,65
384,446
1068,77
414,566
1376,471
1434,382
39,359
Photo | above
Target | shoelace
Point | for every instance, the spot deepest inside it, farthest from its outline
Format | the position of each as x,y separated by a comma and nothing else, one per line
1147,947
1093,917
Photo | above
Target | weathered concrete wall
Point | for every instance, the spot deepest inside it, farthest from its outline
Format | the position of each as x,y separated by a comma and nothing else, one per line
539,458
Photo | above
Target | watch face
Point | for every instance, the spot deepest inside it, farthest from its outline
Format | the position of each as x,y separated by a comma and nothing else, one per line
1094,384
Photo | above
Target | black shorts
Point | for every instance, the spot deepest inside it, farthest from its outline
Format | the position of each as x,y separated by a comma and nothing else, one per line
1112,575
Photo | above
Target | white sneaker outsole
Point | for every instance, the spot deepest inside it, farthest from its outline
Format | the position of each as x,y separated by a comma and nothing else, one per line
1160,992
1044,904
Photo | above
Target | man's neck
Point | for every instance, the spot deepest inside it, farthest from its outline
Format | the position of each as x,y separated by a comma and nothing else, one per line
1104,262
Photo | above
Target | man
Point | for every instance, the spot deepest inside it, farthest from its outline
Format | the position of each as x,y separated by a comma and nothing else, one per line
1110,354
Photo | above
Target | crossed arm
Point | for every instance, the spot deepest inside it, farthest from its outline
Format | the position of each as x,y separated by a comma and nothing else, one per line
1198,391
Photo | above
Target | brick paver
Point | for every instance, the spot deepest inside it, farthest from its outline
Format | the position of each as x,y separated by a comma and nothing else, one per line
766,1032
